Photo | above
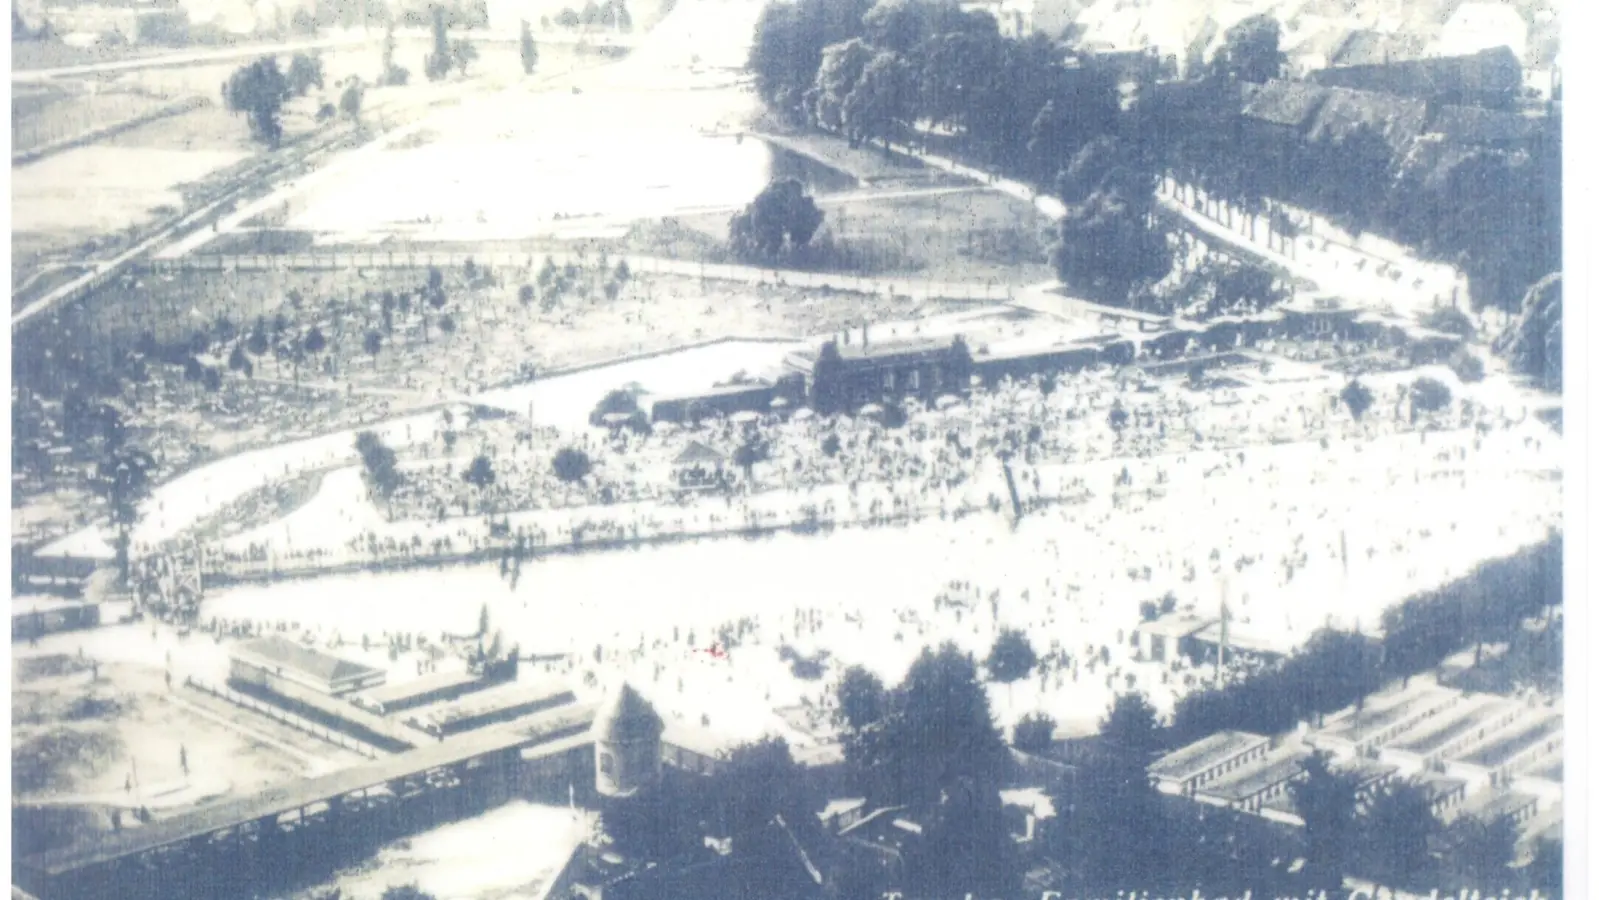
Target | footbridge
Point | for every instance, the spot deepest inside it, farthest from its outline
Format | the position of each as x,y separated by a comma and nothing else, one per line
216,848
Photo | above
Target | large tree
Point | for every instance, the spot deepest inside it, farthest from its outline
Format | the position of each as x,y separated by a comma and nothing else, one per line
1398,825
258,90
1012,657
122,478
781,219
529,50
862,699
843,64
1251,50
881,101
1109,246
1326,799
1532,343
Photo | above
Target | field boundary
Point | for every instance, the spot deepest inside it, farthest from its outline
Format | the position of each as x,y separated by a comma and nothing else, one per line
94,135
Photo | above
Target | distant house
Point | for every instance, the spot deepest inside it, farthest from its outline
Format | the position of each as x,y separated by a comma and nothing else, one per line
1397,119
723,400
1376,48
1478,127
267,661
1489,78
1185,770
33,617
1274,116
1165,638
699,467
853,375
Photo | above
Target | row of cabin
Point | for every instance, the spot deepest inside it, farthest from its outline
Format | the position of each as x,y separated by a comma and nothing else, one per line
851,372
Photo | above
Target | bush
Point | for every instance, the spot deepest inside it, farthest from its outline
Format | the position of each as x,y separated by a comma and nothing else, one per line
1429,395
1035,733
1466,366
572,464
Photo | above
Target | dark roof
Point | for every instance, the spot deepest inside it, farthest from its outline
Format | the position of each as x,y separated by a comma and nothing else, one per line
697,452
552,732
1475,125
893,350
1494,72
627,716
417,687
1186,762
310,661
1397,119
1365,48
1290,103
510,698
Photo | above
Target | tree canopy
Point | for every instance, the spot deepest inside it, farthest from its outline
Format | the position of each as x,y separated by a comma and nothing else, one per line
258,90
780,219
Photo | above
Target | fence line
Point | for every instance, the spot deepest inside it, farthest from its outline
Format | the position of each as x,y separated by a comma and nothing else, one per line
332,261
287,718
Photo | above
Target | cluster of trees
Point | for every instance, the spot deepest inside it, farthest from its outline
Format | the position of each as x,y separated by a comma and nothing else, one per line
1338,668
1495,212
777,224
1392,835
874,71
925,71
1532,343
612,14
259,90
447,54
379,464
931,742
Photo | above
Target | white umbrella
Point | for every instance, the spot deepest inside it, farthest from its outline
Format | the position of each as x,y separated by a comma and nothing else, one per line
779,402
803,413
743,416
948,400
871,409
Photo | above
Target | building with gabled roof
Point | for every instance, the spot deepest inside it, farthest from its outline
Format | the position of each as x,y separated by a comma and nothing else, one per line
266,660
627,744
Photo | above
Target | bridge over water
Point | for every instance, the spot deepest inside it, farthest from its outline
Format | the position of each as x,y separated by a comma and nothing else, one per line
221,848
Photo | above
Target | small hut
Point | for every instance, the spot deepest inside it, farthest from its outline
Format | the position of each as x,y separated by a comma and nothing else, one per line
699,467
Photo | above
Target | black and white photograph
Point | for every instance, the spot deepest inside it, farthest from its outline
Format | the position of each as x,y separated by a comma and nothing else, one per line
795,450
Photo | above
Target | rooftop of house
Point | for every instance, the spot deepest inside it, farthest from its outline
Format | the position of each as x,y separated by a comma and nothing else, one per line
627,716
1280,102
1269,772
696,453
720,390
278,651
1367,47
415,687
1490,805
1240,641
893,350
1475,125
1176,624
1454,724
1437,786
1371,720
497,699
1500,751
1186,762
1345,111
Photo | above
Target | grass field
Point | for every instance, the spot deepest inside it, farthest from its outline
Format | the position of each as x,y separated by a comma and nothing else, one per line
941,234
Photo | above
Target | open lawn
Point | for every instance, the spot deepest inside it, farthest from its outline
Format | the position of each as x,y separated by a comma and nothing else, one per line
948,233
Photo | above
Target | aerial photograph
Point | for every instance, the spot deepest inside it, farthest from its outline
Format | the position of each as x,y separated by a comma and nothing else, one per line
787,450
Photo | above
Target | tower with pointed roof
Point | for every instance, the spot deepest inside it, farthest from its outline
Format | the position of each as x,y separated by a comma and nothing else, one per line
627,745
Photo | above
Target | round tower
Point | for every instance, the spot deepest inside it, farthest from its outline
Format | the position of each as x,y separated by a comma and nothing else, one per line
627,745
